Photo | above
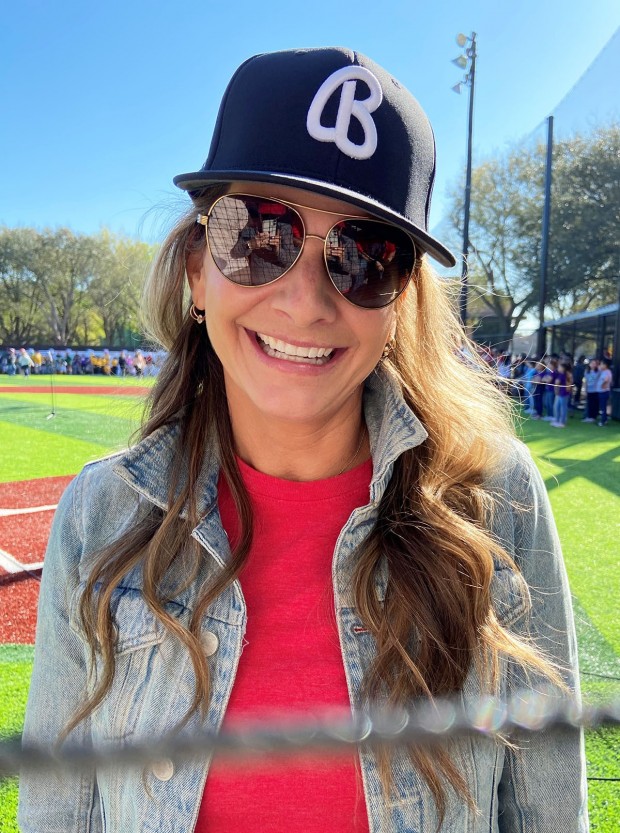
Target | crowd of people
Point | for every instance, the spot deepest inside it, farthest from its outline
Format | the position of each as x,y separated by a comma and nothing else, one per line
88,362
551,387
548,388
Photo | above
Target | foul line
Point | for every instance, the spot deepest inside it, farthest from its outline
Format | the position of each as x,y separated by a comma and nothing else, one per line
12,565
9,563
5,513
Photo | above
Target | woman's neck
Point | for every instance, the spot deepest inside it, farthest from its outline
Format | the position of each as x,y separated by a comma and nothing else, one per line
301,451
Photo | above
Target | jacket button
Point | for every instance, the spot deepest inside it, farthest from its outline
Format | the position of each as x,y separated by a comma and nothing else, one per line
210,643
163,769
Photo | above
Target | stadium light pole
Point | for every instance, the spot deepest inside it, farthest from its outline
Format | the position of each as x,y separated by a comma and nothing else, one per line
615,382
466,61
541,338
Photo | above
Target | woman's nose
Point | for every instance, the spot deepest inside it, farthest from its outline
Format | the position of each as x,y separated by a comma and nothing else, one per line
306,293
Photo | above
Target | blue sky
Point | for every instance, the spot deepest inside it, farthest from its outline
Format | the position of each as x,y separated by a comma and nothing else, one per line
103,103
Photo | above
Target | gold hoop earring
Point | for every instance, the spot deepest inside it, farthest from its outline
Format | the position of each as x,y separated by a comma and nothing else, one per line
387,350
197,314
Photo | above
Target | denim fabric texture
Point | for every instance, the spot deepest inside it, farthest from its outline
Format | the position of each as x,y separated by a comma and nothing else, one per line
560,409
549,398
535,785
603,400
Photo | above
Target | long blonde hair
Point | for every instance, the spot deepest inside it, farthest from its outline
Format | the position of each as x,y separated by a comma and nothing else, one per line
431,527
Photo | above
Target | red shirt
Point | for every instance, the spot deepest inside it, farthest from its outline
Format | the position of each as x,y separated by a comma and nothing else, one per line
291,662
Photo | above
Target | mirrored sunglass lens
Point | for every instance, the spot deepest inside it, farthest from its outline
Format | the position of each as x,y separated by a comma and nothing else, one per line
253,240
369,262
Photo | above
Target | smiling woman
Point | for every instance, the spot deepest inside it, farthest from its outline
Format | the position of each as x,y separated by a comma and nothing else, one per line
268,337
327,507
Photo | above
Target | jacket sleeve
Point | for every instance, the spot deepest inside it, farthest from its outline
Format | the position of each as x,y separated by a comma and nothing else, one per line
58,801
543,784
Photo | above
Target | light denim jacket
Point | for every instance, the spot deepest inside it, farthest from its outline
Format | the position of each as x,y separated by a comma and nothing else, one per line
536,786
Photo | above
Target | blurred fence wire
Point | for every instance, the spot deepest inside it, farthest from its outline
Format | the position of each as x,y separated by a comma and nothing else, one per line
425,723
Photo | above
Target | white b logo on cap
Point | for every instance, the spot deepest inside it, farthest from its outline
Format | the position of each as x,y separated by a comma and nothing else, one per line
349,107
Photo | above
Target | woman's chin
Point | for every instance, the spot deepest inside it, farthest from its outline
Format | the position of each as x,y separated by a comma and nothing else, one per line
293,407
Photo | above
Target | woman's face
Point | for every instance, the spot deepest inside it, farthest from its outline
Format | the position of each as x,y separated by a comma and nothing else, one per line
302,310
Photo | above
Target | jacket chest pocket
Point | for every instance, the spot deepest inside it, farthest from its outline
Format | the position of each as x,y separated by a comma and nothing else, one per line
138,666
511,602
510,596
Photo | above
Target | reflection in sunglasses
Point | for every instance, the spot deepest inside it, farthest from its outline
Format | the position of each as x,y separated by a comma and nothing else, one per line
254,241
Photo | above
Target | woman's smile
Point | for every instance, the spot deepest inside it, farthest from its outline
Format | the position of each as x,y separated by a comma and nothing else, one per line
291,356
279,349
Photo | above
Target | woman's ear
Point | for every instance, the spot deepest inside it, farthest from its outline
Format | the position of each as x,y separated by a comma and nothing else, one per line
194,269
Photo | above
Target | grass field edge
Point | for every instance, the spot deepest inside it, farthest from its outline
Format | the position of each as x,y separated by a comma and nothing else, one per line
15,652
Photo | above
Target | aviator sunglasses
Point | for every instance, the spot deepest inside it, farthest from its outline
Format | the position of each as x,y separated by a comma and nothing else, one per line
254,241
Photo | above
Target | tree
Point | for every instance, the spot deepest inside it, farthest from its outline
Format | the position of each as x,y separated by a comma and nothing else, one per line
584,247
20,311
502,197
63,264
114,291
60,288
506,219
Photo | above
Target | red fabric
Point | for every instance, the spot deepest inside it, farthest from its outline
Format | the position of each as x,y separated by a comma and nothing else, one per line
291,662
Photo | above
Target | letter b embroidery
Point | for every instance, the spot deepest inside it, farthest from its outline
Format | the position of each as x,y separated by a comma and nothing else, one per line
349,107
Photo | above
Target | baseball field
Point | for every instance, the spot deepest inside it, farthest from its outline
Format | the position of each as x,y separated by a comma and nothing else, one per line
51,426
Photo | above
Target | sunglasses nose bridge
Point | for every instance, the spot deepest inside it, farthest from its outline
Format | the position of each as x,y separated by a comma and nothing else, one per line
323,240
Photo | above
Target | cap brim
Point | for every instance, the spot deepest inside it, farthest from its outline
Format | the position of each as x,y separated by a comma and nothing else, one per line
195,182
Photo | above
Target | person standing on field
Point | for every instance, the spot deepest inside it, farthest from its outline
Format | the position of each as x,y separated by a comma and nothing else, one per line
591,381
24,362
327,510
603,388
563,385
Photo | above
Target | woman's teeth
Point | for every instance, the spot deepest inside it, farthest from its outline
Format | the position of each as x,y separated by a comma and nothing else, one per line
290,352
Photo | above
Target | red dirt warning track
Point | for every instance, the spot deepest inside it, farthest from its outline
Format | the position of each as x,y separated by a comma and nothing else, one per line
112,390
24,537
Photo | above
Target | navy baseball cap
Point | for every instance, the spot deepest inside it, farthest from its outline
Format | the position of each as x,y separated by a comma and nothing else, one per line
331,121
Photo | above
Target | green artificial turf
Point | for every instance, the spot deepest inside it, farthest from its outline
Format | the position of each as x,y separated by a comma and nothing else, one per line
81,427
80,420
119,404
15,670
40,453
44,380
581,468
8,806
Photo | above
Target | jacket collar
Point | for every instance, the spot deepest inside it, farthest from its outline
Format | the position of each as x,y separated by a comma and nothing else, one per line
392,427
